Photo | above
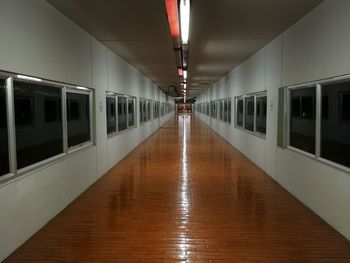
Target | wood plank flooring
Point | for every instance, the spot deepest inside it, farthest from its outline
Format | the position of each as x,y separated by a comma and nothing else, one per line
185,195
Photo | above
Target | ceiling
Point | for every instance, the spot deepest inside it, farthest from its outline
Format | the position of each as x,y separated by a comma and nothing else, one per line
223,34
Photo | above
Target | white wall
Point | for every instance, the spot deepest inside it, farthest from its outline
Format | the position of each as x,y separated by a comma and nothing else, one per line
37,40
316,47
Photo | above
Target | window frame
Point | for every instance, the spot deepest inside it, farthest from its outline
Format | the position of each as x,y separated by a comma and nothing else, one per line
288,120
115,96
72,89
148,116
318,119
16,173
255,95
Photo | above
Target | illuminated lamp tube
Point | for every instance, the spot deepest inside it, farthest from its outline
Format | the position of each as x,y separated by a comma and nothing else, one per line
185,20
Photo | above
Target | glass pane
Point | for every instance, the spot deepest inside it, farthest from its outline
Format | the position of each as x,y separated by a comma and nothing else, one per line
335,124
261,108
229,110
131,114
281,122
149,110
225,110
4,154
249,113
38,122
111,115
78,118
302,119
122,115
240,112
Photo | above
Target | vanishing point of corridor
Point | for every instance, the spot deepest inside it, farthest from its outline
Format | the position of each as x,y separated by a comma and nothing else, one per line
185,195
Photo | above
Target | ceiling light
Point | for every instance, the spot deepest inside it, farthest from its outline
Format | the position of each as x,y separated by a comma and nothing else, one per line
185,20
185,73
29,78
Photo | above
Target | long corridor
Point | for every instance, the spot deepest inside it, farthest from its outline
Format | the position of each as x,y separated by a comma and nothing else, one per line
185,195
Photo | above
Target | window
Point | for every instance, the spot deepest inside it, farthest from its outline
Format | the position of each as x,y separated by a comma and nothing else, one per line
261,110
302,119
46,118
249,113
131,111
225,110
111,114
78,117
145,110
39,130
335,123
221,110
239,112
149,113
122,113
156,110
229,110
162,109
4,151
213,109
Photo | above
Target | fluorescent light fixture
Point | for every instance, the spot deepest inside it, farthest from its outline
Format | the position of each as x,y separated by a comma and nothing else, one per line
185,74
185,20
185,86
82,88
29,78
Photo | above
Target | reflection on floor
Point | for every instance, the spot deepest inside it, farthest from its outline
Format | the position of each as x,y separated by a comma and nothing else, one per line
185,195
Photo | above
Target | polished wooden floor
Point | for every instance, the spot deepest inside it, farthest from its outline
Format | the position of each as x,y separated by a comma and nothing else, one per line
185,195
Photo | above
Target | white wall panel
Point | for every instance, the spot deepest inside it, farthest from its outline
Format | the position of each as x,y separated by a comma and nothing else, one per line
317,46
37,40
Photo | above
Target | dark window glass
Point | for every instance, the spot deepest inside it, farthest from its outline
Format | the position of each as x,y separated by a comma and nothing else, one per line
52,110
36,138
155,110
249,113
225,110
122,114
148,110
345,105
221,110
131,112
335,131
78,116
302,123
229,111
162,109
325,106
141,110
240,112
111,115
24,110
73,110
261,108
4,154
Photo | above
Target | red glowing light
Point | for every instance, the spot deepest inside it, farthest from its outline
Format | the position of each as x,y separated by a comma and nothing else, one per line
180,72
173,17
